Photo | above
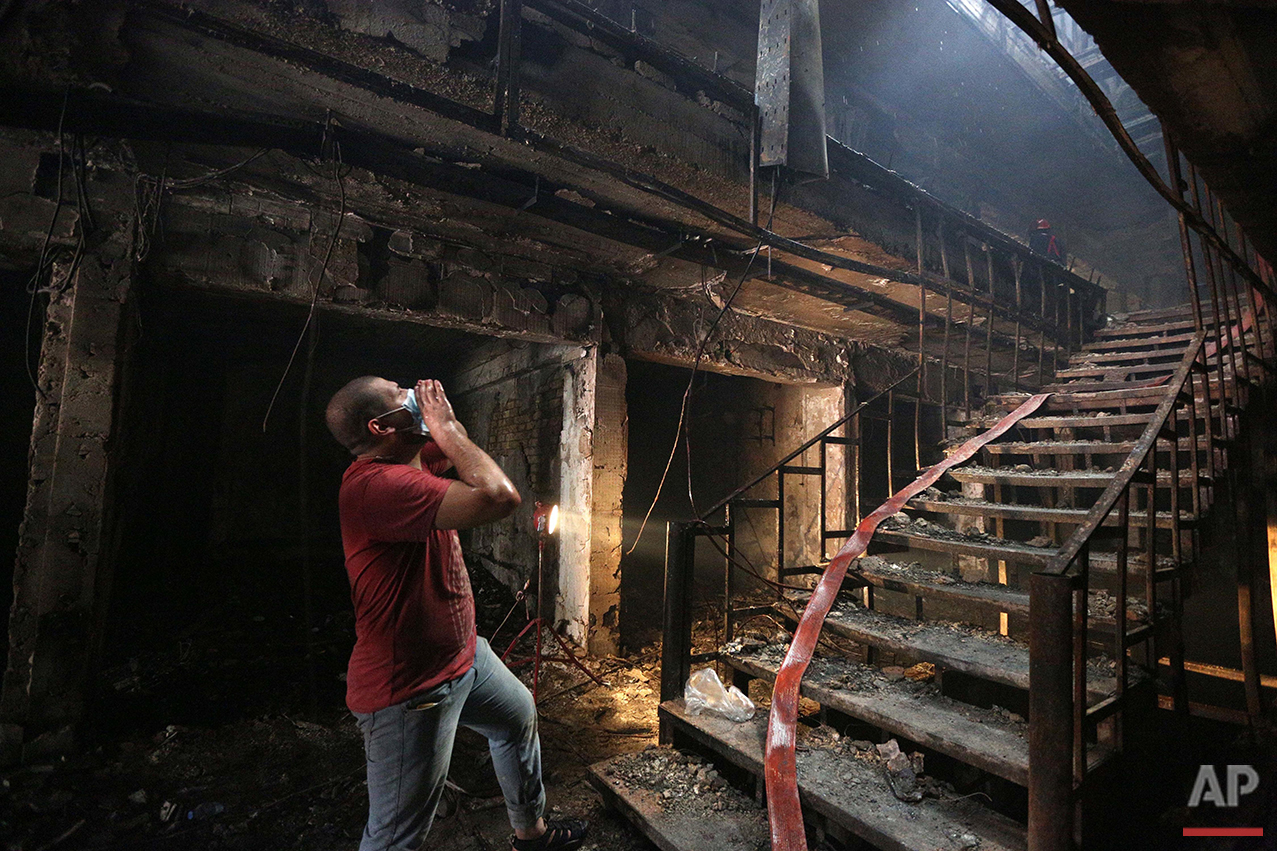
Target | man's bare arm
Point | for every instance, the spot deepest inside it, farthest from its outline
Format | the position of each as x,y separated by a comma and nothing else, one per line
484,492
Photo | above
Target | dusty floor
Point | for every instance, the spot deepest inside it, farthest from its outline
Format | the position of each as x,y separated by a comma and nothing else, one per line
209,741
286,778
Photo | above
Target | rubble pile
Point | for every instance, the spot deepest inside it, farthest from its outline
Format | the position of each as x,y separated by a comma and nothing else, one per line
1102,604
684,783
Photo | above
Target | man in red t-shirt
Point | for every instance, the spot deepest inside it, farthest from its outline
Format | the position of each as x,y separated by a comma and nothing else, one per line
418,671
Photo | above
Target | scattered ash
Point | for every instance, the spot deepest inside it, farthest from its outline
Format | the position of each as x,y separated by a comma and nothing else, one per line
888,767
910,571
916,682
902,629
685,783
1018,469
902,522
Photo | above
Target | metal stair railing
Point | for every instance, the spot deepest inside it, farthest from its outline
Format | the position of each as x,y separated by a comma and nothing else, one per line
677,657
1061,720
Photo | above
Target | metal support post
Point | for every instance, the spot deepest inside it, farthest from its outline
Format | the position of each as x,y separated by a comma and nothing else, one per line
729,589
1017,267
1051,713
966,351
676,647
988,340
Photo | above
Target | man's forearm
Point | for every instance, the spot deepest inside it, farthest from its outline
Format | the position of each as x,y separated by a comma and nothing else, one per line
474,466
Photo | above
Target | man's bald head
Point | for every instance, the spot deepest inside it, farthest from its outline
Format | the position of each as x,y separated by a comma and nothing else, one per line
353,406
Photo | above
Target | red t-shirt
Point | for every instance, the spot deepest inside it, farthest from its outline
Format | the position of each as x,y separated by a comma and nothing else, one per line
414,610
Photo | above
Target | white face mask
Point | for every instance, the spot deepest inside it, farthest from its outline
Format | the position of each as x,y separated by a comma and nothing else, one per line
419,425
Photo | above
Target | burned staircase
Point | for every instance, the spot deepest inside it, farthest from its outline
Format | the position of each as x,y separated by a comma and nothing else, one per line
1090,511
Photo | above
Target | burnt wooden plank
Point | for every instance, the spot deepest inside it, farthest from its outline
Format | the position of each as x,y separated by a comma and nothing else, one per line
994,549
1078,447
853,793
1130,343
1087,421
972,734
882,574
672,829
1051,478
1039,513
1092,358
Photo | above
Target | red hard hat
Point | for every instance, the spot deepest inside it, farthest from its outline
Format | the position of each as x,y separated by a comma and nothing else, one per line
1043,224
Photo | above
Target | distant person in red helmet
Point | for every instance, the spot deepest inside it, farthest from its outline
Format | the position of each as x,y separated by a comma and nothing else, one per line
1043,242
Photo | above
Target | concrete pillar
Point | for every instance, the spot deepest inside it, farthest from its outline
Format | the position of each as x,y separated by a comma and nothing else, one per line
576,496
803,411
611,442
52,625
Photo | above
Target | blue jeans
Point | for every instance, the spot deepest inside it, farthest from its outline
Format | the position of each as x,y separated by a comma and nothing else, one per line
409,747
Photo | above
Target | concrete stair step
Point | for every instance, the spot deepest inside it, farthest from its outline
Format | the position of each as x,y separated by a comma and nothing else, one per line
1162,328
1149,397
1114,373
931,586
1153,356
1082,447
979,602
853,793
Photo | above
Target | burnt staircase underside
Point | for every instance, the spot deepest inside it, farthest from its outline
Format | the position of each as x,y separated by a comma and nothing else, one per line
947,586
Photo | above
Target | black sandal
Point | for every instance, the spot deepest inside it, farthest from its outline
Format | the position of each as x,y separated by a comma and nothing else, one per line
559,836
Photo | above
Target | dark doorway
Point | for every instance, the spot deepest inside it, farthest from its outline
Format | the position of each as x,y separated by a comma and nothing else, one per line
728,419
210,619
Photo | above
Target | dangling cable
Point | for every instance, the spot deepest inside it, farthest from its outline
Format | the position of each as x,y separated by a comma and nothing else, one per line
679,433
319,281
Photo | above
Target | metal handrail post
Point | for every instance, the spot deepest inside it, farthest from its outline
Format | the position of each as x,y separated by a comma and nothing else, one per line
1051,797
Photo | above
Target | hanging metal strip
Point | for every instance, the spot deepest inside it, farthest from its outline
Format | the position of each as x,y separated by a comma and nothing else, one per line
780,763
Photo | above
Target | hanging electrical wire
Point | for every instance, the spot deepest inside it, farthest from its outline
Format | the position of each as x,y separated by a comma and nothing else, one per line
318,282
33,285
679,432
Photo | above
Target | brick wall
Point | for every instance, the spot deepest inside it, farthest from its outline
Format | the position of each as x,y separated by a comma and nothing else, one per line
530,420
510,399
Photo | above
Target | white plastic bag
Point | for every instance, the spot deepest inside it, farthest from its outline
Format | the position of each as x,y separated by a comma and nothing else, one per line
705,693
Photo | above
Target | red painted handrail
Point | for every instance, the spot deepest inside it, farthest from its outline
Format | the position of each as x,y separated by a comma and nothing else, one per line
780,766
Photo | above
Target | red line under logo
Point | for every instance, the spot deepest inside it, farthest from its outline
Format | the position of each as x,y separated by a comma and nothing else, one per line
1223,831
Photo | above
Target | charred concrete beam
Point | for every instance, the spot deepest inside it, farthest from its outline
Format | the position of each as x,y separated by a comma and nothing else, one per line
260,247
656,326
62,570
663,200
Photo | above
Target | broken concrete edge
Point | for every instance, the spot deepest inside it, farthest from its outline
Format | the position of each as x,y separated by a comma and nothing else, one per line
58,584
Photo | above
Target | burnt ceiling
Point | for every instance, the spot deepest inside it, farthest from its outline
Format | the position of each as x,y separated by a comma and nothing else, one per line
1209,71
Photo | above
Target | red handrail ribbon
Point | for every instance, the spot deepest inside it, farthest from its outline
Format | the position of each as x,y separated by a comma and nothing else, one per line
780,766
